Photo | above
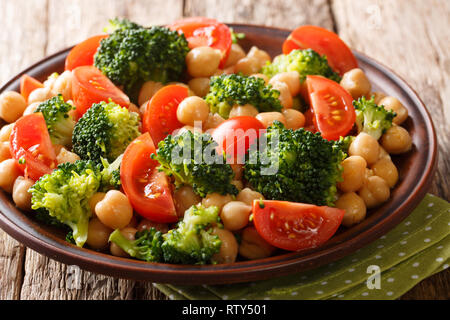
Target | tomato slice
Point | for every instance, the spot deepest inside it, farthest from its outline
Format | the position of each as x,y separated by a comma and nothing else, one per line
160,118
295,226
31,146
83,53
334,114
29,84
236,135
90,86
325,42
201,31
147,189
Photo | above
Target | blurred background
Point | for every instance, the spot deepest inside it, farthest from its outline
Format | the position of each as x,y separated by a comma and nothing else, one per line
411,37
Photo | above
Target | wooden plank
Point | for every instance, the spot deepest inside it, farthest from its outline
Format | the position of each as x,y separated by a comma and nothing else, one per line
281,13
413,38
23,44
70,22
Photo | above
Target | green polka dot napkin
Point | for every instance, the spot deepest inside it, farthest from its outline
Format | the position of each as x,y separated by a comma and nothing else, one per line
385,269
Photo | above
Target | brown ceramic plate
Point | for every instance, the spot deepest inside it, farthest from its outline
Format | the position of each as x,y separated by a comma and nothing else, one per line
416,170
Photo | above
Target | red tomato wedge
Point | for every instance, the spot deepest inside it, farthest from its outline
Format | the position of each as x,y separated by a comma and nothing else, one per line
333,111
201,32
324,42
236,135
147,189
31,146
160,117
90,86
295,226
29,84
83,53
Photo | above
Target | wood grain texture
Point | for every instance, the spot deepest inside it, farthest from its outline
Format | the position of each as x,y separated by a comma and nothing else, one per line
413,39
418,50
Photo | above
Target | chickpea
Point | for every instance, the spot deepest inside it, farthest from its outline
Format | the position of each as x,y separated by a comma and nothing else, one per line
396,140
63,85
377,96
9,171
235,215
5,152
192,109
40,95
133,222
12,106
356,83
66,156
245,110
200,86
238,184
354,206
387,170
262,76
236,54
294,119
187,128
368,173
5,132
247,196
31,108
253,246
213,121
96,198
133,108
374,192
217,200
365,146
285,95
262,56
391,103
383,154
291,79
267,118
51,80
143,107
354,168
98,234
115,250
147,91
147,224
184,198
247,65
203,61
20,194
115,210
229,247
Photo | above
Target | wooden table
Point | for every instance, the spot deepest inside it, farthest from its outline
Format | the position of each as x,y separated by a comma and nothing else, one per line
411,37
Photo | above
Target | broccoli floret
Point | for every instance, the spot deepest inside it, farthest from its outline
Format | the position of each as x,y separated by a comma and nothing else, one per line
111,174
117,23
344,143
305,62
372,118
192,241
147,245
228,90
191,159
59,123
297,166
235,37
65,194
105,131
133,54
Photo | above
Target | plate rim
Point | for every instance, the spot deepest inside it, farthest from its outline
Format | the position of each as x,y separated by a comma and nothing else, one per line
281,265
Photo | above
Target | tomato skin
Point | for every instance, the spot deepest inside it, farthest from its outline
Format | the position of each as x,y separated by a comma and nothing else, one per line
324,42
160,118
200,31
91,86
30,142
29,84
226,135
83,53
332,107
147,189
315,224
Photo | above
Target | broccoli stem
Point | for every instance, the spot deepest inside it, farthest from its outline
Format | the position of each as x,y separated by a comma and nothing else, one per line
126,245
